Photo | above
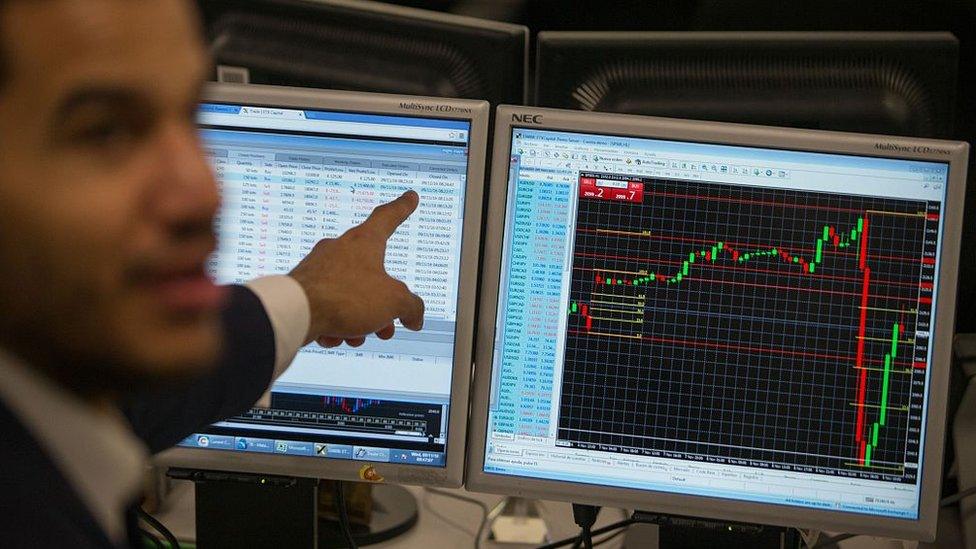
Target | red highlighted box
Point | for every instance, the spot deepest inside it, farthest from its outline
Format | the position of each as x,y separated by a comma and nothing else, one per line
919,365
608,189
928,261
925,300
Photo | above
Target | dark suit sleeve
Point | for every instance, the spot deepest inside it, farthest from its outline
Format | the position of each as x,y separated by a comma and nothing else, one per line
164,417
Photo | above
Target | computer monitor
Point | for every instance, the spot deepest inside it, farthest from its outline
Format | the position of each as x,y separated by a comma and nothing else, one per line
870,82
717,320
296,166
368,46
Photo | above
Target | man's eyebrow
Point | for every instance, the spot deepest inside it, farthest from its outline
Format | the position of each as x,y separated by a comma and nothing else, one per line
100,96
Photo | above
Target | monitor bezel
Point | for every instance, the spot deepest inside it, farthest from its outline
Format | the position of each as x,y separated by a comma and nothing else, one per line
955,155
451,474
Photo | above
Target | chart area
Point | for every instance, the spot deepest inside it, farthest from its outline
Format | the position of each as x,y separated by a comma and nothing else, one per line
760,326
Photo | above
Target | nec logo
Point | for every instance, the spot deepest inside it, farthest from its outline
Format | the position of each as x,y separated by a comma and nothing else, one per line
527,118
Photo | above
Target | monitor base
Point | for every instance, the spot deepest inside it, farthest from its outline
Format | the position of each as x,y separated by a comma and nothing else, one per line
676,532
394,513
249,510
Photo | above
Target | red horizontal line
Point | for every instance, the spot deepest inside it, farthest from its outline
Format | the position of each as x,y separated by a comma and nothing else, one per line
799,274
759,202
734,347
756,246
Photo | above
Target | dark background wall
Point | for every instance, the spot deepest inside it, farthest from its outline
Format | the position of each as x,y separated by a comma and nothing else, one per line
956,16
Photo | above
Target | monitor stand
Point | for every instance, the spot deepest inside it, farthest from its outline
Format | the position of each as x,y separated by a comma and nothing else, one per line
250,510
677,532
394,512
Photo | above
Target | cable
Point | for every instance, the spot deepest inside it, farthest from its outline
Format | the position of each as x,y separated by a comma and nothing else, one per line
949,500
611,537
834,540
450,522
579,542
158,526
585,518
488,514
609,528
340,503
484,509
150,538
489,518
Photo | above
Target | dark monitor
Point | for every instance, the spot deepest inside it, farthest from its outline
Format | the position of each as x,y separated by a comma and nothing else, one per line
367,46
882,83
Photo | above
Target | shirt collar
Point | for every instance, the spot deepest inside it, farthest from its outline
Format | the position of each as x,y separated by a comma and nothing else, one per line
93,448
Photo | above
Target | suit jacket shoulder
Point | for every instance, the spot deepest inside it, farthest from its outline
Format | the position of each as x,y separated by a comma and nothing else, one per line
38,506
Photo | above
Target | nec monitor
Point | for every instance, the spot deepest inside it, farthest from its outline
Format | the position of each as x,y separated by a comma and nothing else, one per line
886,83
367,46
717,320
296,166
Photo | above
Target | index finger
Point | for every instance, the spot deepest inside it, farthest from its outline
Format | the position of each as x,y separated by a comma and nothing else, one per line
387,217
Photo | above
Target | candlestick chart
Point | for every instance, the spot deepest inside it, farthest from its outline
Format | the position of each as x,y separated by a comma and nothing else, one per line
764,326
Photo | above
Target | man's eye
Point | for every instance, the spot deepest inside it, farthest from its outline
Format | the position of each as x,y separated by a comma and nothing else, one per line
102,130
106,133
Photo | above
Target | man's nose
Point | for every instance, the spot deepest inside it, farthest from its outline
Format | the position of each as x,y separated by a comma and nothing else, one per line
187,191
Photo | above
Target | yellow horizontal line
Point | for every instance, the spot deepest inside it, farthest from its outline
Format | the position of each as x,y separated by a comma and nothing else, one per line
873,466
905,371
911,312
902,214
890,408
628,336
638,304
886,340
641,312
618,320
621,272
620,296
629,233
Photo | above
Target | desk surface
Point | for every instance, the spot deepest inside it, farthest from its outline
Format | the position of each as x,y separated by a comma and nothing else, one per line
177,513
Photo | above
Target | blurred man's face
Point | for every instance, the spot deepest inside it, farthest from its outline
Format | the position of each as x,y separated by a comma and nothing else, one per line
106,200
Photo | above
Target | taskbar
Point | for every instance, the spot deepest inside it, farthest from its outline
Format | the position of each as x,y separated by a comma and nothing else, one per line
314,449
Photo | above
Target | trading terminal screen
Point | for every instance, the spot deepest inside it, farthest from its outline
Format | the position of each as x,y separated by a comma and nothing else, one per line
290,178
733,322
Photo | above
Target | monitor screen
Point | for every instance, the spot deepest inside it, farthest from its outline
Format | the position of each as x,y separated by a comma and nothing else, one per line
748,324
290,177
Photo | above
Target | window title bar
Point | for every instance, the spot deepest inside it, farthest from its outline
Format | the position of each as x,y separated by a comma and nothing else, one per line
373,125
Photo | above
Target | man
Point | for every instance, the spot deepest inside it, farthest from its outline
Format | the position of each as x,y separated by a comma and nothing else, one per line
106,207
